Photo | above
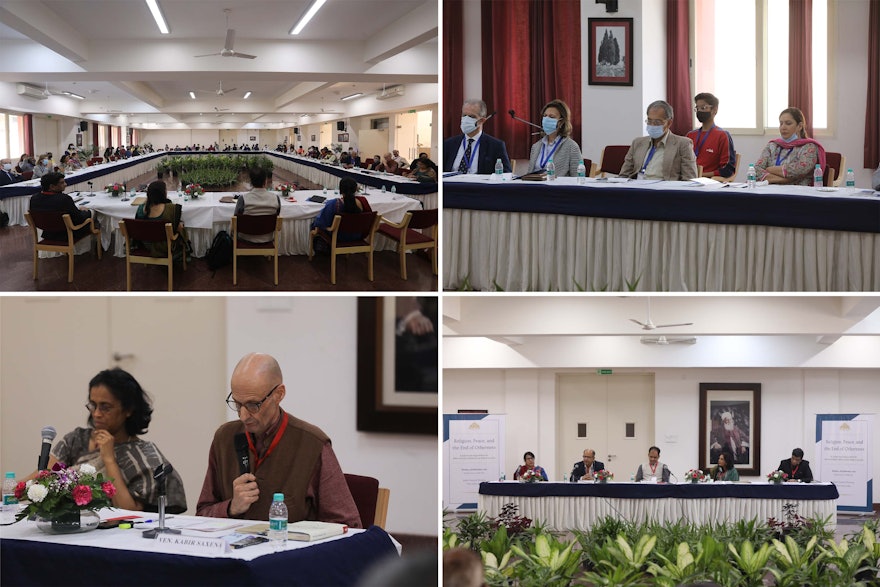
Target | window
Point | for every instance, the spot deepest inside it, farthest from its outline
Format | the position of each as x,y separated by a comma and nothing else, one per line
748,69
11,137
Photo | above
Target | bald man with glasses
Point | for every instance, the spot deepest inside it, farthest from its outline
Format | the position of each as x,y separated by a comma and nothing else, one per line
285,455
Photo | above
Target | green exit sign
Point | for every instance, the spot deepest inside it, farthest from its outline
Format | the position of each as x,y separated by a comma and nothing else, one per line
603,371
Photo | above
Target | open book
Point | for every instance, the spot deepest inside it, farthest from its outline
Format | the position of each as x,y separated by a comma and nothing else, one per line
304,531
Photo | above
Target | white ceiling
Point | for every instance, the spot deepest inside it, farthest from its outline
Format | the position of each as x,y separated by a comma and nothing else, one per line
111,52
594,332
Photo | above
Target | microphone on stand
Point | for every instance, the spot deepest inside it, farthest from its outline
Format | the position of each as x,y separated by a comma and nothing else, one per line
48,433
515,117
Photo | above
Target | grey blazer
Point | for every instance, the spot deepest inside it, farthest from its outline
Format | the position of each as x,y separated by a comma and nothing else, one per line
679,161
566,158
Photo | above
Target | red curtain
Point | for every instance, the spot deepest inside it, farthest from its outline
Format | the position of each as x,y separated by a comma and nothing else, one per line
678,77
95,142
27,128
872,117
531,55
800,58
453,66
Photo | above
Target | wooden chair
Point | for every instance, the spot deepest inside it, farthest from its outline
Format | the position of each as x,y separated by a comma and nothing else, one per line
136,232
838,162
27,175
408,238
263,224
591,167
363,224
828,177
735,171
94,161
370,499
57,222
612,159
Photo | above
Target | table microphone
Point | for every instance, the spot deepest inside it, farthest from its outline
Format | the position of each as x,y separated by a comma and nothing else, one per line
515,117
241,451
48,433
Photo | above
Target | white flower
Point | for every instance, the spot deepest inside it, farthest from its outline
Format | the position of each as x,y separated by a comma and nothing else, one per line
87,469
37,493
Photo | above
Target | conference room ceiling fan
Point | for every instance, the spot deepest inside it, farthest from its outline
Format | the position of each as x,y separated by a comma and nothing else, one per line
667,340
219,91
228,50
648,324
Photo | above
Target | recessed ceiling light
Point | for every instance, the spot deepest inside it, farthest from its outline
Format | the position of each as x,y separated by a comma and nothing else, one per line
312,11
153,5
192,95
352,96
247,95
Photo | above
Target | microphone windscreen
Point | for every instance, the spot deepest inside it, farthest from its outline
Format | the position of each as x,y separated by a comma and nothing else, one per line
48,433
512,112
241,444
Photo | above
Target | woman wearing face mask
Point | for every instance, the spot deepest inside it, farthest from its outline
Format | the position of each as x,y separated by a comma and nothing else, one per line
556,144
42,167
791,158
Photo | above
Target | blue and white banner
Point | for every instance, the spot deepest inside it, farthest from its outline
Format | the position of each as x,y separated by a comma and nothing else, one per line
473,452
844,457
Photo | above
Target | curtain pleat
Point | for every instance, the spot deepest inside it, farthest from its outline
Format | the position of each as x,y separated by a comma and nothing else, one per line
678,78
800,58
872,117
453,66
27,123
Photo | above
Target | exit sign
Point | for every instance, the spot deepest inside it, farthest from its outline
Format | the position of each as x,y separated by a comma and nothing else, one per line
603,371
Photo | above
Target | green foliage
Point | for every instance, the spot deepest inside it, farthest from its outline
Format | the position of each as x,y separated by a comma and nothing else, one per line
750,564
214,170
473,529
547,562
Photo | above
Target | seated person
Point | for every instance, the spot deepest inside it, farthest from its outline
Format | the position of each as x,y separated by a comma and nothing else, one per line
648,471
423,170
725,470
53,199
660,155
376,164
792,158
26,163
349,203
586,469
120,410
557,144
389,164
42,167
529,465
345,159
159,207
258,202
875,180
713,145
796,467
398,158
7,175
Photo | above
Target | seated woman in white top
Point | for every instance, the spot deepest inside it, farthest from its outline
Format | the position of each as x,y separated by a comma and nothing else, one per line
556,143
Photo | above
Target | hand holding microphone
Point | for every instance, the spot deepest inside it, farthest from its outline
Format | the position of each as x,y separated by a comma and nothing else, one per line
244,488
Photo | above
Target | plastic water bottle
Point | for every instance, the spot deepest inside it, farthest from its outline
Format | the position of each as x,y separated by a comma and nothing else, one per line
325,191
394,189
9,500
502,477
817,176
751,176
850,178
278,520
551,170
582,173
383,188
499,169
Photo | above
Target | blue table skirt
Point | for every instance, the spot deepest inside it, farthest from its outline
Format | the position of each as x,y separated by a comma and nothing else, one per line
721,206
342,562
663,490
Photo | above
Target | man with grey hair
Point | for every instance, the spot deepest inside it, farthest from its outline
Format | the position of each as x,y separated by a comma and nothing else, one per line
474,151
661,154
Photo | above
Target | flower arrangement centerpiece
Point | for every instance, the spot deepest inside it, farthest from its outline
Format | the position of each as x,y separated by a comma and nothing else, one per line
114,189
194,190
285,189
531,476
65,499
777,477
695,476
603,476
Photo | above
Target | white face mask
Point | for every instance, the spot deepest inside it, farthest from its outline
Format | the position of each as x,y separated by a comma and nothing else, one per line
45,161
7,166
468,125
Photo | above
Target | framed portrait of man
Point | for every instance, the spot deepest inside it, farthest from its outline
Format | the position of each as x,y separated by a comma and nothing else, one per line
730,422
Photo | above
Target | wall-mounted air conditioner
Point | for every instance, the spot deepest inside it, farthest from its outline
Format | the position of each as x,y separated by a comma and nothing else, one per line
392,92
31,92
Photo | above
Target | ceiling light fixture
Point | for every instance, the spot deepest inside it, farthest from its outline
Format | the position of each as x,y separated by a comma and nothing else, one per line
311,12
247,95
192,95
153,5
72,95
352,96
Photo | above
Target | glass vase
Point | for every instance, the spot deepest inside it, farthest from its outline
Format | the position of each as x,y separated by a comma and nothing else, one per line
69,522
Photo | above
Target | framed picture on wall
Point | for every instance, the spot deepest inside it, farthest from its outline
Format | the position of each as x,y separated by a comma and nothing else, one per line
611,51
397,383
252,138
730,421
313,138
343,137
79,140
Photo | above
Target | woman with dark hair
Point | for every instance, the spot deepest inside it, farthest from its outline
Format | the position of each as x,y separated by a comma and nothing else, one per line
529,460
349,203
119,411
557,144
792,157
726,469
159,207
376,163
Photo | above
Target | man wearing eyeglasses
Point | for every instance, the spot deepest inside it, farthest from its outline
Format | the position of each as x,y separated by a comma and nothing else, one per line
286,455
660,155
713,145
474,151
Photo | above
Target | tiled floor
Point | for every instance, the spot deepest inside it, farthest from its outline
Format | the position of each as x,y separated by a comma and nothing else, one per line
296,272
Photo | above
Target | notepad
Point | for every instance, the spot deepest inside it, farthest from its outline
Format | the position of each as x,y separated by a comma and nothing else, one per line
304,531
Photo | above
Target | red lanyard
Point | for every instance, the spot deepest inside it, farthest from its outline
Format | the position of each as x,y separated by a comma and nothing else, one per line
272,446
653,469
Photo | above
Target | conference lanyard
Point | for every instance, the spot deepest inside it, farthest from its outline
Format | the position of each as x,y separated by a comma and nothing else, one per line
542,161
272,446
700,143
653,470
779,158
648,159
467,160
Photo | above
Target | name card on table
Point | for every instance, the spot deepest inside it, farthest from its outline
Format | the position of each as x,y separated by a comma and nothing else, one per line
181,544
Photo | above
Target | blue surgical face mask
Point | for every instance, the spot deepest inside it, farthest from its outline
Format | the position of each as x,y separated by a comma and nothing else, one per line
45,161
468,125
655,132
794,136
549,125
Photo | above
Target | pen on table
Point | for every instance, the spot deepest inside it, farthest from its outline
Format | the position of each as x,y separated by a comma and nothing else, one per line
151,521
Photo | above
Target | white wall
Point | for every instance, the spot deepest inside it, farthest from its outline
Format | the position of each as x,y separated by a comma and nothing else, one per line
790,400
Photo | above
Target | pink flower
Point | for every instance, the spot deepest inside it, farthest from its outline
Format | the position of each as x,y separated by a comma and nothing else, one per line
108,488
19,489
82,494
58,466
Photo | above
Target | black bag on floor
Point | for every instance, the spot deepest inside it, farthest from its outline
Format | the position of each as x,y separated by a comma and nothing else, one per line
220,253
4,219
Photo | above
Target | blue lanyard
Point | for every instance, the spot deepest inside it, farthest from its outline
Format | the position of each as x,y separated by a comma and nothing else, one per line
648,159
699,146
464,156
542,161
780,159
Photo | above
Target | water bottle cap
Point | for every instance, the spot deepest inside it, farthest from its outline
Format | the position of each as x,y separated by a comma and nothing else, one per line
278,497
10,475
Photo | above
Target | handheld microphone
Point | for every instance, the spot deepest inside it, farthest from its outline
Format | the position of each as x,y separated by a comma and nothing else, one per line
241,451
515,117
48,433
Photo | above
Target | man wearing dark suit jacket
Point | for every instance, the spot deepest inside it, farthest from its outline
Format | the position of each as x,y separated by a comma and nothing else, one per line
585,470
7,175
474,151
796,467
661,155
53,199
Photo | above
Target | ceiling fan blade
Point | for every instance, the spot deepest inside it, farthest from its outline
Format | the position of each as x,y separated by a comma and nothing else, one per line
208,55
243,55
230,39
642,324
673,325
228,91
